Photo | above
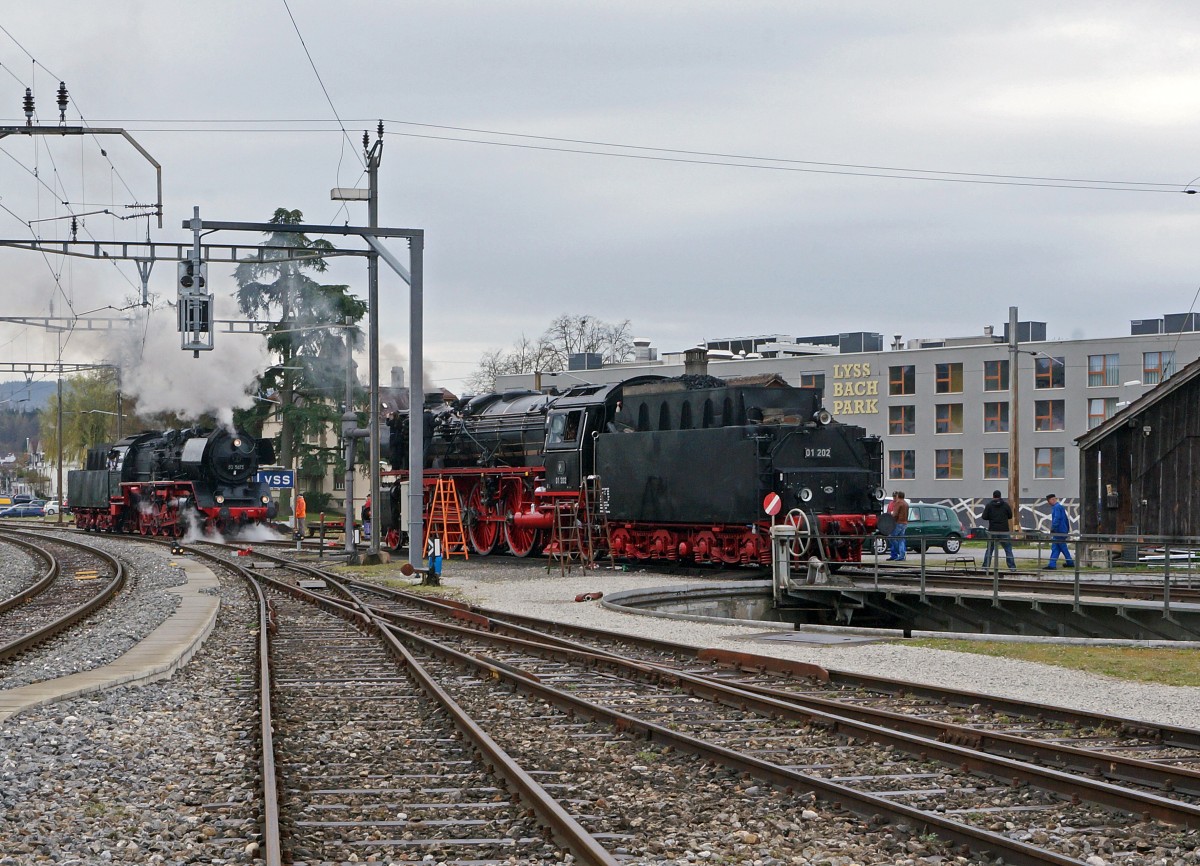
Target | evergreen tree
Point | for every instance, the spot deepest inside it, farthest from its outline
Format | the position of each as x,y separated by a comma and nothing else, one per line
309,380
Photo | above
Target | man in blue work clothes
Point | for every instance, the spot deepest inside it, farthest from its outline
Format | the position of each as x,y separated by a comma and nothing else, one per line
1060,525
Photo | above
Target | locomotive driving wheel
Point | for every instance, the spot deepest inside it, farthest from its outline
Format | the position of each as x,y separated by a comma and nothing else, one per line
481,516
518,497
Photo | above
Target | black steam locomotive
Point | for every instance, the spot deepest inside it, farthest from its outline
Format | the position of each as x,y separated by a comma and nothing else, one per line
167,482
686,468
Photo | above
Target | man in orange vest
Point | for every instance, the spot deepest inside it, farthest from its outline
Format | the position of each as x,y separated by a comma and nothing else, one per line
301,512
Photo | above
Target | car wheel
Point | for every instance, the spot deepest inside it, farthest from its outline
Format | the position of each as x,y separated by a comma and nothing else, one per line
953,544
880,545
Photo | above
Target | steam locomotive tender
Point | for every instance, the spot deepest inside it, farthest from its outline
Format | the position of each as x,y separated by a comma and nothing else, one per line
167,482
656,468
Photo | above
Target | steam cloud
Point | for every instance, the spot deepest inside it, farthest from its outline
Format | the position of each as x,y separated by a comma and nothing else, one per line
165,378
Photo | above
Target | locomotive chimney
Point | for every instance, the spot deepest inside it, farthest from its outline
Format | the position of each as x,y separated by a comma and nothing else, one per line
695,362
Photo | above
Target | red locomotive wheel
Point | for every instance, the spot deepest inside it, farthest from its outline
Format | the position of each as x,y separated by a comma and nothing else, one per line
705,546
481,518
518,497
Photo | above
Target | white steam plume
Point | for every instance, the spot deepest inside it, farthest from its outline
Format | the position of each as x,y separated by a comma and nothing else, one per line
164,378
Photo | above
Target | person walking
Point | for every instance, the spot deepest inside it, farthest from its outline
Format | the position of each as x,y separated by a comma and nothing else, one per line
301,512
998,515
1060,525
899,510
366,517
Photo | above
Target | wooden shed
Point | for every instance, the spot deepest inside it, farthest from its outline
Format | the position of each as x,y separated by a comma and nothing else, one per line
1140,470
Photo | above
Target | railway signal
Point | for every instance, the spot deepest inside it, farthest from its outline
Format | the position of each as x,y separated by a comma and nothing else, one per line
195,303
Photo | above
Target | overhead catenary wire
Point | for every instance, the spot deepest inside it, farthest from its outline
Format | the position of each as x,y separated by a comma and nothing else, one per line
324,90
666,154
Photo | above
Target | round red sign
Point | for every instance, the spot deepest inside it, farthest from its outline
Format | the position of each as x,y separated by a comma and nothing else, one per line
772,504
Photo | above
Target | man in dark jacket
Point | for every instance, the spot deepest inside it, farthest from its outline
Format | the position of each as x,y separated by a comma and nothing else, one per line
998,515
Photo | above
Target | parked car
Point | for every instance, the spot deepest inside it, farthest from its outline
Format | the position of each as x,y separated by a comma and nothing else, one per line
928,526
25,509
51,507
22,498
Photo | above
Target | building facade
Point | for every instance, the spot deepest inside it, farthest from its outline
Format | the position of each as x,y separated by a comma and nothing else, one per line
947,409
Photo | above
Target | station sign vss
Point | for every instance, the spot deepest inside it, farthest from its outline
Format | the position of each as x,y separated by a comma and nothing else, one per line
278,478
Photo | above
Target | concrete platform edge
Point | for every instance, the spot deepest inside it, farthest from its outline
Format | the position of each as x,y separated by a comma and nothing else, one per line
157,656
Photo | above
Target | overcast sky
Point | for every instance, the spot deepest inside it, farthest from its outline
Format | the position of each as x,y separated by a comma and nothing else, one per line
686,246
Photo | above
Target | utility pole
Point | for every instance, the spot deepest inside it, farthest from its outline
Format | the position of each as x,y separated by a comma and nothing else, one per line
1014,421
374,156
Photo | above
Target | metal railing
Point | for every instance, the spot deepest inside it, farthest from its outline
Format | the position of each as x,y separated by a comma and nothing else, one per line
1126,556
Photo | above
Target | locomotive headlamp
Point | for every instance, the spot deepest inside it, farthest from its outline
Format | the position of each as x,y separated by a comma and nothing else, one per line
805,495
237,443
220,499
880,494
266,499
822,416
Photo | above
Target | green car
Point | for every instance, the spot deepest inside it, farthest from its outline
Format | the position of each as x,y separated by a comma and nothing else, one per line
928,526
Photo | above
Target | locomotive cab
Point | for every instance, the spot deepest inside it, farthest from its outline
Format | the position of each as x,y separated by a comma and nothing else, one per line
571,430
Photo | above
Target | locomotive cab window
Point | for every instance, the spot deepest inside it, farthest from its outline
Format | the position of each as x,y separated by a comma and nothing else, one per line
565,427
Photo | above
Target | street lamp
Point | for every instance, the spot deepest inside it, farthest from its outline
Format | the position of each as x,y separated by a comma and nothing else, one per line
1014,414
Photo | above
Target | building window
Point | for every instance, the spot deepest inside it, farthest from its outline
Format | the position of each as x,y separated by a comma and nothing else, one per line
950,378
902,464
1049,415
1049,372
812,380
339,481
949,463
1048,463
1157,366
1100,409
995,417
949,418
995,375
902,380
995,464
902,420
1104,370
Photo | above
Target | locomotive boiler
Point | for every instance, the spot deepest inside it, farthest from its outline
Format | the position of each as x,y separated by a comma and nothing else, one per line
654,468
168,482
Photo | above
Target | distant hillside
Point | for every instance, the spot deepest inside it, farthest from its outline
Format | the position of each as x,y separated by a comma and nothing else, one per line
25,396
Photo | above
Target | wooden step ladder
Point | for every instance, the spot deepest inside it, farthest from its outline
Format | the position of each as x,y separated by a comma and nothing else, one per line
445,520
569,542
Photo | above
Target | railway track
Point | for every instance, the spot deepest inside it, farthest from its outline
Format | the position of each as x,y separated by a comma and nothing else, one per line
77,581
988,803
634,739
